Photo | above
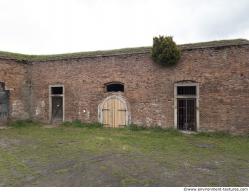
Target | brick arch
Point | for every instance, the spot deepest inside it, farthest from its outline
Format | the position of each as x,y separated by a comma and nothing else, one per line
185,81
114,83
111,82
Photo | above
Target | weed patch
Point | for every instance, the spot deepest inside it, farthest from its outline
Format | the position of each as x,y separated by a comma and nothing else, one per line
24,123
79,124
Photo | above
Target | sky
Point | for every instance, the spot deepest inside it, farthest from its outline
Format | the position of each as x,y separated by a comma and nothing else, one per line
64,26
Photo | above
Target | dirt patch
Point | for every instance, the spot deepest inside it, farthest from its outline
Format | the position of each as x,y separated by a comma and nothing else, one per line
6,143
111,169
205,145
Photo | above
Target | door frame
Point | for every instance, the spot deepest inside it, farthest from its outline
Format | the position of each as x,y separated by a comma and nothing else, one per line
58,95
122,99
196,97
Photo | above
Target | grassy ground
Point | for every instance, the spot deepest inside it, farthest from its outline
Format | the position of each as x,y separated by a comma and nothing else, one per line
77,154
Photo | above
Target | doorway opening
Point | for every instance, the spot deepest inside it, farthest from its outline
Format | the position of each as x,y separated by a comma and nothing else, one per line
186,106
4,103
56,103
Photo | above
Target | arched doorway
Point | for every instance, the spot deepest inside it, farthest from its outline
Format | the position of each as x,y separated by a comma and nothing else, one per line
113,112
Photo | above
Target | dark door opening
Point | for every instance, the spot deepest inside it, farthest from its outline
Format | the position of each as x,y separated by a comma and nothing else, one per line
57,104
4,103
186,114
57,109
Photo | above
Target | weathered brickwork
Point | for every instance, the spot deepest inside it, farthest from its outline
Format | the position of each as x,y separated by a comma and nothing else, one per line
15,75
221,72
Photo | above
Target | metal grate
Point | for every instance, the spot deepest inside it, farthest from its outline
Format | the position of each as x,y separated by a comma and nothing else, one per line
186,114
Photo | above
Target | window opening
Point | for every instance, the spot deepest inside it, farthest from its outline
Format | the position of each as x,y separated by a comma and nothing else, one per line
115,87
186,90
57,90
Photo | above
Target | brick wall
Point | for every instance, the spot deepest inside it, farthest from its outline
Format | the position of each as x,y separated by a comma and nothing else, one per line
15,75
222,74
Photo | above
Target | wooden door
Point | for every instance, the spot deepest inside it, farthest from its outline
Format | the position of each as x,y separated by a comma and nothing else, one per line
57,108
114,113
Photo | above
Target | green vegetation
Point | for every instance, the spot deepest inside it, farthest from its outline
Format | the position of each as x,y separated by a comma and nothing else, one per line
24,123
165,51
29,58
79,124
77,154
219,43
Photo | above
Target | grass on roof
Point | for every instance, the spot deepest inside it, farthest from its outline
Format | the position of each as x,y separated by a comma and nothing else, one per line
220,43
30,58
23,57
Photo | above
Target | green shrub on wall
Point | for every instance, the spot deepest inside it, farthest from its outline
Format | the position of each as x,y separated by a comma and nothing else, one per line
165,51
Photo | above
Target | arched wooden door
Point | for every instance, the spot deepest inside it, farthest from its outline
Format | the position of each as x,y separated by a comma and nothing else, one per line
114,112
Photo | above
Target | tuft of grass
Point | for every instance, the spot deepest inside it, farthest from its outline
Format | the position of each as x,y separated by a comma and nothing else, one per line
173,131
79,124
217,134
134,127
24,123
170,130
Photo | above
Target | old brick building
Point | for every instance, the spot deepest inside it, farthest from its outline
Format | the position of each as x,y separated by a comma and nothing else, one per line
207,90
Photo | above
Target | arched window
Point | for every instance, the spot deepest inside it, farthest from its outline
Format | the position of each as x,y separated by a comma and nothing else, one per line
114,87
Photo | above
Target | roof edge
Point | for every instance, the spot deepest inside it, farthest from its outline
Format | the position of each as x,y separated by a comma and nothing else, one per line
115,52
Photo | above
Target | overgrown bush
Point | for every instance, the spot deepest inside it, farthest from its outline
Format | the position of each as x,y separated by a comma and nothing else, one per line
165,51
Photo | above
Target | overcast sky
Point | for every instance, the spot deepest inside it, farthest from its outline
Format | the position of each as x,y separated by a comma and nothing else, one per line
60,26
